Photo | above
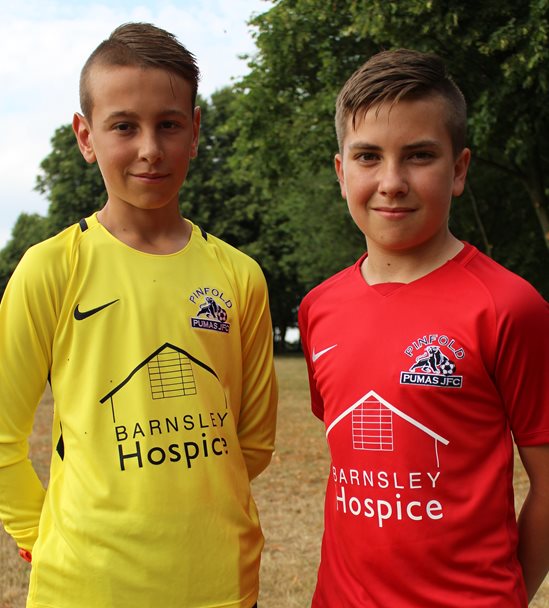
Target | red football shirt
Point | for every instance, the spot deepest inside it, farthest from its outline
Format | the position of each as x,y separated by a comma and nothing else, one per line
421,387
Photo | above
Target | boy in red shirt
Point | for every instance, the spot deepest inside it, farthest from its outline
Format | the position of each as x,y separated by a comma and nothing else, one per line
425,359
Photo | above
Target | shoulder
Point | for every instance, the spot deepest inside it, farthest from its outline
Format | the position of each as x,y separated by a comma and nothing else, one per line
508,293
50,258
512,314
335,287
236,264
41,277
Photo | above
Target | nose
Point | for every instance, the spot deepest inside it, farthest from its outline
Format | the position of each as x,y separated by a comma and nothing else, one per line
150,148
392,180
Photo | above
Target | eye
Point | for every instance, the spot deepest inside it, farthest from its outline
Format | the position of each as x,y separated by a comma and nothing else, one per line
122,127
169,124
368,157
422,156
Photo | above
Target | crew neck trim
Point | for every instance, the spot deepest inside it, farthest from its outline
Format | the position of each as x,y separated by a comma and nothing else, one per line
388,288
93,222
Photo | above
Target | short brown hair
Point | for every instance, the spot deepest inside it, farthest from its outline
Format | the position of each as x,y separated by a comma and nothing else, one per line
390,76
143,45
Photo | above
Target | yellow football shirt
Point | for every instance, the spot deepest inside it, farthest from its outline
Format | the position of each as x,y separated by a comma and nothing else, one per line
161,370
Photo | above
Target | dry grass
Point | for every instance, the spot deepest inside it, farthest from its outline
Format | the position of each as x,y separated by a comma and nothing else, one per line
289,495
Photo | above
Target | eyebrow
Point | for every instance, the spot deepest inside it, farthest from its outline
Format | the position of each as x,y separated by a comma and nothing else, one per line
127,114
422,143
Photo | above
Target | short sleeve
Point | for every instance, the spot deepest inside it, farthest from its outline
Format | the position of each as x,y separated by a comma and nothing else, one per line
522,364
317,404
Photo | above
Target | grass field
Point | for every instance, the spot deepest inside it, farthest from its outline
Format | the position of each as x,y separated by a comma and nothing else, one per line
289,495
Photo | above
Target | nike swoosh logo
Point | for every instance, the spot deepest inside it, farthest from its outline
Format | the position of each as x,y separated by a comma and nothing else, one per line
80,315
319,354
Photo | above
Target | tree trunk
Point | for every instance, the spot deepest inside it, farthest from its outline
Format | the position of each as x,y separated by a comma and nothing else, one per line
488,247
539,200
533,181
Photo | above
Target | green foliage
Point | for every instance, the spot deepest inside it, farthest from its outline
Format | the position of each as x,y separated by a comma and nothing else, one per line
285,144
511,229
498,52
74,188
28,230
212,196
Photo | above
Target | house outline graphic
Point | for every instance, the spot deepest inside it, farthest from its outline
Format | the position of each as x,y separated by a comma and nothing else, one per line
167,345
372,394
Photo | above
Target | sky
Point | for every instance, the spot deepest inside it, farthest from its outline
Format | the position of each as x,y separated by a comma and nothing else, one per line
43,45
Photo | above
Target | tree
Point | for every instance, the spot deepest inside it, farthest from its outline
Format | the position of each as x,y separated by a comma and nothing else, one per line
212,195
73,187
264,180
28,230
222,198
308,48
499,54
285,144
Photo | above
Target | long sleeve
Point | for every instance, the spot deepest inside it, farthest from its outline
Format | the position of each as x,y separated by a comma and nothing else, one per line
257,421
27,326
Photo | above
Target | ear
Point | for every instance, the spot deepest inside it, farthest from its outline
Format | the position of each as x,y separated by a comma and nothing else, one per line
196,132
82,130
338,163
461,166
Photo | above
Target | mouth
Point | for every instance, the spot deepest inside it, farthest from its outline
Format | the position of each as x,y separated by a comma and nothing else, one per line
150,176
394,212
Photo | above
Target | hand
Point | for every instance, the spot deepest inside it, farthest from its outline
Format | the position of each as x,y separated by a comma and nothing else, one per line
26,555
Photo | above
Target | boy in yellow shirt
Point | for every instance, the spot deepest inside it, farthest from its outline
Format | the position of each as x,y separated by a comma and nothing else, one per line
156,339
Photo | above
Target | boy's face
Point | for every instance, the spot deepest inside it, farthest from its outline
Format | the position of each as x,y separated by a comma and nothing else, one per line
398,173
142,133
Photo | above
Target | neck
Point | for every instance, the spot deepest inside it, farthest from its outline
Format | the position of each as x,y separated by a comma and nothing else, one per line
159,231
405,266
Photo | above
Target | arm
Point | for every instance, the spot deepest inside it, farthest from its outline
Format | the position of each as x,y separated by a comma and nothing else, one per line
533,521
522,381
26,329
257,421
317,404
